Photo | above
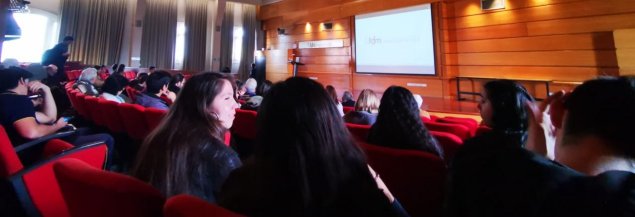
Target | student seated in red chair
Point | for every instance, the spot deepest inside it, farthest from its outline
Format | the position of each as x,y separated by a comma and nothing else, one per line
305,162
186,154
156,86
25,121
113,89
366,109
399,125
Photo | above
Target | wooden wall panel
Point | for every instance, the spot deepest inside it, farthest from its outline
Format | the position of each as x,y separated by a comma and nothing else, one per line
625,50
425,86
341,82
583,41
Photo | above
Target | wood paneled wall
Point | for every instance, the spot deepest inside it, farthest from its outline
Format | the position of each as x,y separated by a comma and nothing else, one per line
560,40
625,45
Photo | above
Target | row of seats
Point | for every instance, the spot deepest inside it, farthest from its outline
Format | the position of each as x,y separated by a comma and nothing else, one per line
73,75
92,192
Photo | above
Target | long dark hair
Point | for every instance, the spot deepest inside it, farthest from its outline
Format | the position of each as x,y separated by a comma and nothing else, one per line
399,125
303,139
171,153
507,99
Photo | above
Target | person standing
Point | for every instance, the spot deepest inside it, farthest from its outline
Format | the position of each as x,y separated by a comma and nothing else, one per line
58,56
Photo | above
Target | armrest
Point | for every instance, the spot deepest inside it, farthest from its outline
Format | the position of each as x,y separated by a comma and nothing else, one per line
43,139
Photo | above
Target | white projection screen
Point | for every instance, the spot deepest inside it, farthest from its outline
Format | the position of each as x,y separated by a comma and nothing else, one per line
397,41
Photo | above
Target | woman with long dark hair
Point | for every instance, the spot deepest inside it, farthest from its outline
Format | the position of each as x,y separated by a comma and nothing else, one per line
305,162
185,153
399,125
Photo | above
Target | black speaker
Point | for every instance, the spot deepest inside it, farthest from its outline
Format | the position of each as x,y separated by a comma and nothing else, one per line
328,26
492,4
281,31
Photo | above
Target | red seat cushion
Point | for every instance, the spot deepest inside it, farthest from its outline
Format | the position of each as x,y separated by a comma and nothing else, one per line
134,120
9,161
153,117
359,132
112,118
449,142
457,129
245,124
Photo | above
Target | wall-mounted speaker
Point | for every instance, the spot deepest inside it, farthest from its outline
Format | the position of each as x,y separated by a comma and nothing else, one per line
281,31
492,4
328,26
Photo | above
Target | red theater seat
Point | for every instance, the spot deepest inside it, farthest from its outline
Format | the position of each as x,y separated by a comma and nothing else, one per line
134,120
348,109
112,119
36,186
96,193
416,178
471,124
449,142
94,111
82,108
245,124
457,129
359,132
482,129
190,206
153,117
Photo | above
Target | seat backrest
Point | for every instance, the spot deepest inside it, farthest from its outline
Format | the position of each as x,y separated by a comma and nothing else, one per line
96,193
9,161
348,109
132,93
190,206
359,132
94,110
82,108
416,178
471,124
457,129
245,124
482,129
112,119
133,120
449,142
153,117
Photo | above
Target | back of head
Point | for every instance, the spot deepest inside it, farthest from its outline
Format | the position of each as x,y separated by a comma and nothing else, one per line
120,68
399,125
303,139
347,96
114,84
88,75
367,101
69,39
507,99
156,81
250,85
9,77
333,93
263,88
604,108
165,158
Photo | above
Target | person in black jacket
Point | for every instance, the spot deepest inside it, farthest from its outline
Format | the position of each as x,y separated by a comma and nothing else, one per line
185,154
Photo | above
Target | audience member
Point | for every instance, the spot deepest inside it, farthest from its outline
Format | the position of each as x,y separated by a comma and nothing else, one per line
254,102
250,87
399,125
113,87
176,83
366,109
185,154
151,69
58,56
492,174
306,163
422,112
140,82
120,69
23,122
331,91
156,86
85,82
347,99
240,89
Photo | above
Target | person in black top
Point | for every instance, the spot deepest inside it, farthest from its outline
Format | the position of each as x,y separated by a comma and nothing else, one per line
347,99
176,83
305,162
19,99
58,56
593,135
185,154
398,124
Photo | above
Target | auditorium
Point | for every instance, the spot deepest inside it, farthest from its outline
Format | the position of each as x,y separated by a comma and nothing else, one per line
317,108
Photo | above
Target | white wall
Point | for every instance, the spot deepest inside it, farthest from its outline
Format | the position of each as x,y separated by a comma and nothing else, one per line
52,6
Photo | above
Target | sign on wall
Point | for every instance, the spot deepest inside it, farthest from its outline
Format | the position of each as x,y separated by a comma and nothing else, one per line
321,44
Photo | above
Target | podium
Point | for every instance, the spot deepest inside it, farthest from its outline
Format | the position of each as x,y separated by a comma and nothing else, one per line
295,66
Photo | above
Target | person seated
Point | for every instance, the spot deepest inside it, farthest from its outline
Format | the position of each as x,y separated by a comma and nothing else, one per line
156,86
305,162
593,136
120,69
185,154
140,82
366,109
250,89
254,102
399,125
176,83
347,99
151,69
496,164
333,93
422,112
85,82
240,90
19,98
113,87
